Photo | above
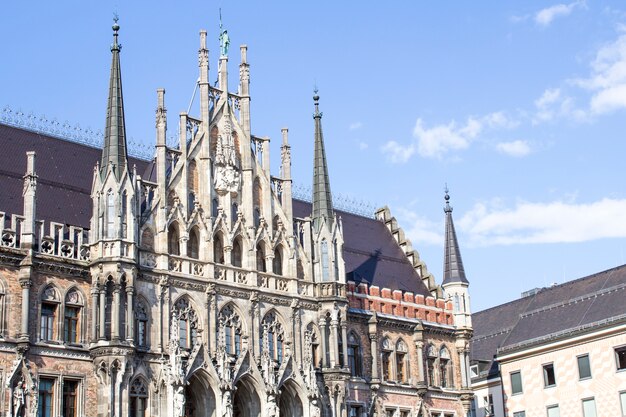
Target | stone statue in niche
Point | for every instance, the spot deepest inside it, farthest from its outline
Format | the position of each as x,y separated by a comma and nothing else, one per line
271,409
227,176
227,405
19,398
179,401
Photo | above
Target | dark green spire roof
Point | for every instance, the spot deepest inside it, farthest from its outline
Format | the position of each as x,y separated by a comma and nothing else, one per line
452,263
114,150
322,198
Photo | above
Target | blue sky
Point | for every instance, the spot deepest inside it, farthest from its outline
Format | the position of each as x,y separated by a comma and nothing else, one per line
517,106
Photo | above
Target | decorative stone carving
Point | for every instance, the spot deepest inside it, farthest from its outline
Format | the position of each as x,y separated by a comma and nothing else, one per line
227,177
227,404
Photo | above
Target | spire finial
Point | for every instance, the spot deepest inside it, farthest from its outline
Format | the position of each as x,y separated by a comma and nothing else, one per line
448,207
116,27
316,100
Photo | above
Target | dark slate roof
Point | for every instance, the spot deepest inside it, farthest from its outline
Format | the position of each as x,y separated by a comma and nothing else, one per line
551,313
65,171
371,253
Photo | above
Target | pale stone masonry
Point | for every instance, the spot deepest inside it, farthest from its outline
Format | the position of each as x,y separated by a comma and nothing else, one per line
195,285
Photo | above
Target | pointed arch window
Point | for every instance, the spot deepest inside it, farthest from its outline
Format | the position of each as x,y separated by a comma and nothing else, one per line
277,263
193,244
215,208
445,375
110,215
325,261
173,244
218,249
272,337
72,314
431,358
108,308
231,330
187,323
402,374
386,355
138,398
49,306
147,239
124,217
141,324
260,258
237,252
234,213
354,355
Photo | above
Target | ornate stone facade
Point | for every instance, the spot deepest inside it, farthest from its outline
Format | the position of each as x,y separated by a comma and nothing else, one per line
197,289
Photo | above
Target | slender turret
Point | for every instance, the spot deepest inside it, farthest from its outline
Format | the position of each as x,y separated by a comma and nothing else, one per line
322,198
452,263
114,150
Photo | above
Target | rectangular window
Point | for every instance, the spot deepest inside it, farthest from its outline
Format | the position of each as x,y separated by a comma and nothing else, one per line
46,394
620,358
553,411
549,379
584,367
70,392
355,411
400,374
519,414
70,325
589,407
47,321
622,400
488,401
516,382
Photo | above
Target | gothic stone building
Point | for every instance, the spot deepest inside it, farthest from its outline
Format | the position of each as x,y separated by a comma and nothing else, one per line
194,284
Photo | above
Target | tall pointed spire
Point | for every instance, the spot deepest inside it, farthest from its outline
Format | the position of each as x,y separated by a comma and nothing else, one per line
114,150
452,263
322,198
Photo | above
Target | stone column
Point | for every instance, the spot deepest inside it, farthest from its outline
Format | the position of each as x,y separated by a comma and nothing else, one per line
94,313
373,334
115,316
322,323
297,339
334,345
467,367
130,316
213,333
419,347
344,341
102,307
25,284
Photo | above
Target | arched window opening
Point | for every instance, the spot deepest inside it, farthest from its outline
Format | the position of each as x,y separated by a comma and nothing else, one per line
230,330
234,212
147,239
141,324
215,206
312,341
186,322
237,253
335,257
299,270
193,244
257,202
445,375
49,306
386,353
272,337
108,309
256,217
110,215
342,361
277,263
402,374
124,217
260,258
173,240
457,303
354,356
71,319
123,309
218,249
138,398
431,357
192,184
325,261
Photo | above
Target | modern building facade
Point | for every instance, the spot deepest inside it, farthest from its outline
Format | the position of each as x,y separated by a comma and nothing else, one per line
557,351
194,284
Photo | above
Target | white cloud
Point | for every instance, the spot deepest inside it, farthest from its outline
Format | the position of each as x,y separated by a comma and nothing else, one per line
555,222
607,80
516,148
441,139
545,16
420,230
355,126
363,146
396,153
553,104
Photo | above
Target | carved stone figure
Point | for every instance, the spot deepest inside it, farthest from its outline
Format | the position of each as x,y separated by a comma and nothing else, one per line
315,408
271,409
227,405
179,401
18,398
224,42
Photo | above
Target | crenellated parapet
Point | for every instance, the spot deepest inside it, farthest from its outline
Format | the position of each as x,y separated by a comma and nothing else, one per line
384,215
403,304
